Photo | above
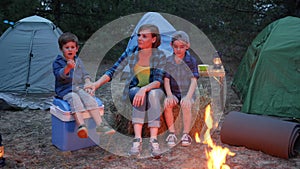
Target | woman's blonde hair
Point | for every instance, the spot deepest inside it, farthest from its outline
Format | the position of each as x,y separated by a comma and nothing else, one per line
154,31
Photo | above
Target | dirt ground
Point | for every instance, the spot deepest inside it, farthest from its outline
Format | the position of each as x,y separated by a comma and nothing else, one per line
27,143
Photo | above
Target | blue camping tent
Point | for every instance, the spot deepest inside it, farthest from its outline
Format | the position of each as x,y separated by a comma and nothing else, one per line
28,49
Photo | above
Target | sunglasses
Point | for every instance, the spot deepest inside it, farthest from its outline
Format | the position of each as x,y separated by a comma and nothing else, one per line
143,35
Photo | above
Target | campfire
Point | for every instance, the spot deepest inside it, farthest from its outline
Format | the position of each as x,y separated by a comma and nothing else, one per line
215,154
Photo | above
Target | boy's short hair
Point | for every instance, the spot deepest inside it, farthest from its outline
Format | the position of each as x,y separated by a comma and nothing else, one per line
180,35
67,37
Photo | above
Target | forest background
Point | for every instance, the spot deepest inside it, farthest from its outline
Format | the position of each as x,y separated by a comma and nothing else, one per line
231,25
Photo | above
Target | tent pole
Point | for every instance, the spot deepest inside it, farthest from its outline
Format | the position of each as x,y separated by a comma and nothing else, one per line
27,85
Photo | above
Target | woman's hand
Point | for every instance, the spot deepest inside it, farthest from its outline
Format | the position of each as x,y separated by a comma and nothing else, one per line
139,98
170,101
90,88
90,91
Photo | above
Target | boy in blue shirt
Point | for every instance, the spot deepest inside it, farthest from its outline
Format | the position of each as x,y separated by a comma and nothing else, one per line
180,82
70,77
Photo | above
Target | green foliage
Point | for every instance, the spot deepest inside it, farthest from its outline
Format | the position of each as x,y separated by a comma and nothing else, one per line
230,24
14,10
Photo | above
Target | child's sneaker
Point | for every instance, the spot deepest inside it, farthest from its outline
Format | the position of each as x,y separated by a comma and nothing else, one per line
186,140
155,150
171,140
104,128
136,147
82,131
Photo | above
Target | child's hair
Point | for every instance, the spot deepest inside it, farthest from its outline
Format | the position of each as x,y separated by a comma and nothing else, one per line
67,37
180,35
154,31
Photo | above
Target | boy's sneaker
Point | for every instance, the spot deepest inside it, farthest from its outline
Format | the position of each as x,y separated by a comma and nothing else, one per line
171,140
136,147
155,150
82,131
104,128
186,140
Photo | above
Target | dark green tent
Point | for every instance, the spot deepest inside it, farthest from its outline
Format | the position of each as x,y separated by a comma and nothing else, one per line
268,77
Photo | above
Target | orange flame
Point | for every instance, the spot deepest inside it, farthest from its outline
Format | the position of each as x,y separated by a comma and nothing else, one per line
197,138
217,155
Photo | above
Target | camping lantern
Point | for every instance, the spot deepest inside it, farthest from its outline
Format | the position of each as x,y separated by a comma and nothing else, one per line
2,160
217,60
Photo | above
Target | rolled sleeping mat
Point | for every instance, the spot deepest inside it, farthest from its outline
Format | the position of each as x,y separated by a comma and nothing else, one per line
268,134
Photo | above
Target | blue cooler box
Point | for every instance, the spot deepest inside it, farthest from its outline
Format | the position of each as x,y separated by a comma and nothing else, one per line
64,127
